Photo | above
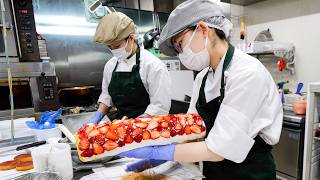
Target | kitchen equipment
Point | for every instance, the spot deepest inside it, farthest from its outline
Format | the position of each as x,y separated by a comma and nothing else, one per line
288,153
21,32
80,96
45,134
26,146
39,176
30,90
34,81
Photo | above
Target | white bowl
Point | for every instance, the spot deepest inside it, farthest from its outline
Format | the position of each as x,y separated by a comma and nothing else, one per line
45,134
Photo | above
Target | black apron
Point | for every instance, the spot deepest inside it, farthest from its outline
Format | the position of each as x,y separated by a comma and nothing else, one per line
258,165
127,91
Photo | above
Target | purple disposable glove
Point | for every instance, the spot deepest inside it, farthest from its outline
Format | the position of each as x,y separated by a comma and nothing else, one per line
144,164
96,118
165,152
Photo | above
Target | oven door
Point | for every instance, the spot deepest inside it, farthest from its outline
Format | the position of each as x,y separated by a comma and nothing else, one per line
11,34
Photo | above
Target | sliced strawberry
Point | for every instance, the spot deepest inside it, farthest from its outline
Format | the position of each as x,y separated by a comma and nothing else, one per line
82,134
112,135
181,132
145,119
146,135
84,144
157,118
182,120
178,126
87,153
203,128
138,138
128,139
174,119
141,125
164,124
113,127
129,129
187,129
190,121
97,148
199,122
89,128
152,125
103,129
127,122
121,143
93,133
100,139
165,133
166,118
173,133
92,140
110,145
121,132
155,134
196,129
137,120
159,128
171,124
137,131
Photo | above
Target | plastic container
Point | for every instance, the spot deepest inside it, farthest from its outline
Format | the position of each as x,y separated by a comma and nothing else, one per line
45,134
299,106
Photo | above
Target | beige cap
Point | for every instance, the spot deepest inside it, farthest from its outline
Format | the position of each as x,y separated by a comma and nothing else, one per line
114,27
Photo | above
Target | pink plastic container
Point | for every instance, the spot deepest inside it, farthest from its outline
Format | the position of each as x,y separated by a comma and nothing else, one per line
299,106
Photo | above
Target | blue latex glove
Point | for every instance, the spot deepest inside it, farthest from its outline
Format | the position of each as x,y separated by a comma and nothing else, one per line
165,152
47,120
143,164
96,118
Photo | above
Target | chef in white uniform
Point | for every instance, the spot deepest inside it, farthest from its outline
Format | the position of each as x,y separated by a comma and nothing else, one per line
134,81
234,94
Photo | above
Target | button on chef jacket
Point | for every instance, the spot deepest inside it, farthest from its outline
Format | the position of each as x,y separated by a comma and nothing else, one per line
251,106
155,78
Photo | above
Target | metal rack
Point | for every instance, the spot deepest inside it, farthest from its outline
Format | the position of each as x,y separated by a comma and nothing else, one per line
311,159
272,48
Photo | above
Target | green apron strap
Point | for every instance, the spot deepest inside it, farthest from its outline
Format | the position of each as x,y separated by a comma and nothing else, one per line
226,63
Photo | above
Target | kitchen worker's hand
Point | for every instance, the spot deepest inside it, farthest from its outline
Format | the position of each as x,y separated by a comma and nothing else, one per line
143,164
165,152
96,118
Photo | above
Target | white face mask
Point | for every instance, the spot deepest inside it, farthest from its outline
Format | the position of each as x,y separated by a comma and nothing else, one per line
195,61
121,53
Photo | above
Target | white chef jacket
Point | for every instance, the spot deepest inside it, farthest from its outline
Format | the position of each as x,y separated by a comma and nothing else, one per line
155,78
251,107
